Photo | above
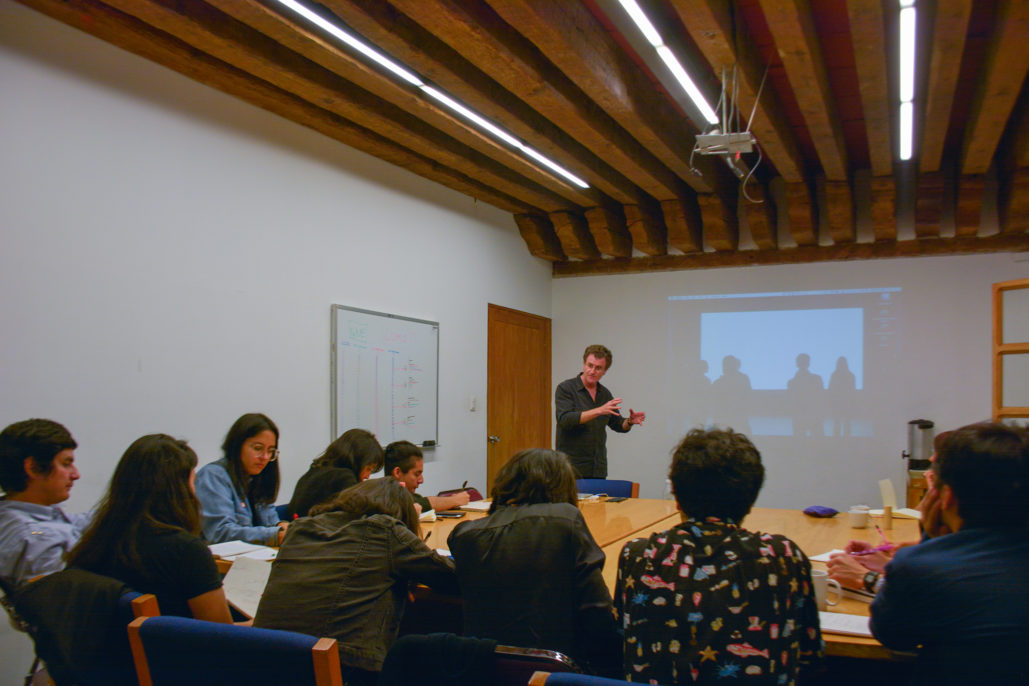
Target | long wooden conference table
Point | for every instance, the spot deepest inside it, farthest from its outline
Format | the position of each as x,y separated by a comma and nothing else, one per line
613,524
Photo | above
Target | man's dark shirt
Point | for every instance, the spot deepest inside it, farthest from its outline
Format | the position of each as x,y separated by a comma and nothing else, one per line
585,444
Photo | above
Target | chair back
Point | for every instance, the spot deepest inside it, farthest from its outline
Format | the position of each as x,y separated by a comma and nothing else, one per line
569,679
175,650
282,511
77,621
616,488
515,666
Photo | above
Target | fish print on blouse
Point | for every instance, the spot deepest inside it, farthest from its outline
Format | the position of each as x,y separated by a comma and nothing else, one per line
709,601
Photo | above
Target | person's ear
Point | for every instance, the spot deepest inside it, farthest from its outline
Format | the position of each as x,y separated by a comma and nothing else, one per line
32,469
396,473
948,501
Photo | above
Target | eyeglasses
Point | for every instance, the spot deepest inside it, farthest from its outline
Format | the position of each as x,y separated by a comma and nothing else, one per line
259,449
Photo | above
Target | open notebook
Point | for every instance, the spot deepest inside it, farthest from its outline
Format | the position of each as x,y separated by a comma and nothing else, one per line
476,506
839,623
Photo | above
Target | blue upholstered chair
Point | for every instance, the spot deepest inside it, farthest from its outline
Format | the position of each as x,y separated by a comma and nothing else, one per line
283,512
569,679
175,650
615,488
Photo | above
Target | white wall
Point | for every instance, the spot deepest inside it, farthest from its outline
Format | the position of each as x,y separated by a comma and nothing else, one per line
170,254
944,365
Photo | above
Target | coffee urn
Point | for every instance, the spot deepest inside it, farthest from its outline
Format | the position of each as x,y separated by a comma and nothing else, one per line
920,448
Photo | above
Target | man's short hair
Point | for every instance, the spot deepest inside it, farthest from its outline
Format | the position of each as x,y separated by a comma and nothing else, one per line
986,465
402,454
40,439
716,473
599,352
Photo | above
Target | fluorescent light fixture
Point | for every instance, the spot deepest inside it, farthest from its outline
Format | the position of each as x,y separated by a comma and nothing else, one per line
438,95
907,54
669,58
642,22
906,129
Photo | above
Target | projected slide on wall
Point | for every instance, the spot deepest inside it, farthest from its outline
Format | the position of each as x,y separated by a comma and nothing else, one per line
803,363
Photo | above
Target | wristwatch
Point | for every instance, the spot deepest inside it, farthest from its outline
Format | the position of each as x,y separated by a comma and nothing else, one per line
870,580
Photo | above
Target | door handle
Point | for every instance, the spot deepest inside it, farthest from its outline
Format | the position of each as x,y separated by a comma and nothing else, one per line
494,439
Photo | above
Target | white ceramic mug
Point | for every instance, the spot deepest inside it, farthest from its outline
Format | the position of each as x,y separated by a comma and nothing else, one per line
822,582
858,516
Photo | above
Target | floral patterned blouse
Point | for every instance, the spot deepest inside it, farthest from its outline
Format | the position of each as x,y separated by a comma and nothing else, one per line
707,601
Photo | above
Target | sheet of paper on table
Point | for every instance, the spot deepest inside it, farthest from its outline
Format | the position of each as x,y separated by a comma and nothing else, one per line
230,550
902,512
839,623
824,557
244,583
476,506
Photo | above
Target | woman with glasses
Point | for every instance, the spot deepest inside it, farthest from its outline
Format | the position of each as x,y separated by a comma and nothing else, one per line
238,491
349,460
145,532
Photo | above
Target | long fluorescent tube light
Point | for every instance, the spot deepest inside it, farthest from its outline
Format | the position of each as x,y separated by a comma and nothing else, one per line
669,58
907,78
906,129
441,97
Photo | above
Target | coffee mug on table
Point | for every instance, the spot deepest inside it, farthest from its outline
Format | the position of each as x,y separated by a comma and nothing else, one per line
822,582
858,516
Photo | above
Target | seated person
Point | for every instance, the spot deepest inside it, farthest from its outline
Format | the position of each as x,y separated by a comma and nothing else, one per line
349,460
961,595
404,463
531,572
37,471
146,532
344,571
708,599
237,492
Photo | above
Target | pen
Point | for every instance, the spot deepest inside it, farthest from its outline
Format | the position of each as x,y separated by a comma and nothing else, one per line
883,536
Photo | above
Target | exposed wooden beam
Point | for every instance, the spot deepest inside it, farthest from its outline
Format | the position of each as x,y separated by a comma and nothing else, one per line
539,236
252,38
929,201
405,40
801,210
684,223
968,211
1013,204
482,37
760,217
868,29
138,38
574,234
796,40
950,25
882,196
720,38
610,233
647,227
814,253
1004,70
721,226
839,206
571,37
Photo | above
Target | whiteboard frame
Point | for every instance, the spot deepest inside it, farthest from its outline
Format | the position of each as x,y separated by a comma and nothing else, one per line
333,389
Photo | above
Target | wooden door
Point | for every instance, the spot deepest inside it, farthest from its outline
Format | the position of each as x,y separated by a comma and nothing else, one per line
1011,349
518,393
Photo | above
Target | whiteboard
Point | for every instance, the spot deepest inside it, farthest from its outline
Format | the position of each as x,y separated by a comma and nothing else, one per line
385,375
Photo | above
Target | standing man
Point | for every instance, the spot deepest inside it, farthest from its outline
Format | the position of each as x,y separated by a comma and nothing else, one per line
37,471
584,407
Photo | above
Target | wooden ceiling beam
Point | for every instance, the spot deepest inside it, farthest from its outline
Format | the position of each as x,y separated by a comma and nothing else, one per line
685,224
760,216
720,38
572,38
574,234
839,207
130,34
1013,204
882,197
801,210
969,207
929,199
540,237
868,27
253,37
647,227
482,38
609,230
796,39
803,254
950,25
1004,71
721,227
402,38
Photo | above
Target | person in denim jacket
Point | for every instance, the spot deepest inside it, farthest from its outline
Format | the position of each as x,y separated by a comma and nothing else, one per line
238,492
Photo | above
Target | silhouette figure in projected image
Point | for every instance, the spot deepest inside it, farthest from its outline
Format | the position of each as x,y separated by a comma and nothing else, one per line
696,408
805,391
842,388
730,396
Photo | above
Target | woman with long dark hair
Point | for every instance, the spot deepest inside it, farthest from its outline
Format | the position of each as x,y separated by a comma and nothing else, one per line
344,572
349,460
238,491
531,572
146,532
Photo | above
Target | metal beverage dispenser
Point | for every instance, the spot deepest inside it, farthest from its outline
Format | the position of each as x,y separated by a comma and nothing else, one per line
920,443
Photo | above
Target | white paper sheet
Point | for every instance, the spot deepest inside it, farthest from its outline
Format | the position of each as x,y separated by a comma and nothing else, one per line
244,583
